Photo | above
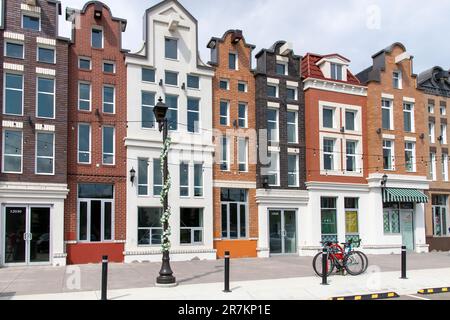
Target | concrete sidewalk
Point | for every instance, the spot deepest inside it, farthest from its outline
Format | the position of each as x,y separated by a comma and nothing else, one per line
307,288
277,271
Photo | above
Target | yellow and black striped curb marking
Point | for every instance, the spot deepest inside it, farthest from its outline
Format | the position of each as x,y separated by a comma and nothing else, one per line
375,296
434,291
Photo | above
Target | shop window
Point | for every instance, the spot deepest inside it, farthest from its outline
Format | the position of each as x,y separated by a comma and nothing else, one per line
150,230
191,226
329,219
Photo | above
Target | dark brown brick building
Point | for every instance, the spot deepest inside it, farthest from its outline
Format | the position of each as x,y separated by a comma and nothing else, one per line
95,222
33,180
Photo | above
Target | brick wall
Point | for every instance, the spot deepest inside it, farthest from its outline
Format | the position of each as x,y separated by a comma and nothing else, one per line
96,172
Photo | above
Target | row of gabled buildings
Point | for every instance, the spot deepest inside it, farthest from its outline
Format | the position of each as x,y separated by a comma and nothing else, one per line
265,160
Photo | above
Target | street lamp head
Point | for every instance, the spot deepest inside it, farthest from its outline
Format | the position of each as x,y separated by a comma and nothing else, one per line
384,180
132,175
160,110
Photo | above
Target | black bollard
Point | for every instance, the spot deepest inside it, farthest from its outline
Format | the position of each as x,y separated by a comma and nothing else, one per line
104,277
325,267
227,272
404,263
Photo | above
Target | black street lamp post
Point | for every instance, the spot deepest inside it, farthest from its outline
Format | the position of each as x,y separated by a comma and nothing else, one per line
165,274
384,181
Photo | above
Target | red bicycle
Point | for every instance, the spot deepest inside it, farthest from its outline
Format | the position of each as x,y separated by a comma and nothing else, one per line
340,258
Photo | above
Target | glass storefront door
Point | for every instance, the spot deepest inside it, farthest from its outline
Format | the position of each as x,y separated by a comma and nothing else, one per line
407,228
282,231
27,235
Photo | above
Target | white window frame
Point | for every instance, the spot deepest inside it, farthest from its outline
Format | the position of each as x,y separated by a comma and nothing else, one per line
334,68
165,53
169,84
13,89
355,119
332,153
193,229
228,113
433,211
335,119
286,66
34,15
197,126
445,167
413,155
154,185
187,186
391,113
90,144
444,133
432,132
443,110
227,81
92,37
102,225
11,155
397,75
187,82
354,156
295,125
277,90
430,108
295,94
392,154
46,93
14,42
236,61
109,62
41,46
42,157
109,103
202,187
245,86
79,96
142,72
149,229
246,115
275,139
225,160
274,171
139,182
433,174
411,114
87,59
242,141
296,172
113,144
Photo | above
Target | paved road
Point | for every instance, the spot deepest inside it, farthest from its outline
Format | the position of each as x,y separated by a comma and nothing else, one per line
417,297
42,280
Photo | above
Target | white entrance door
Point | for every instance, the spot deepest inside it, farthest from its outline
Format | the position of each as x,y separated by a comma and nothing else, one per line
27,236
283,231
407,228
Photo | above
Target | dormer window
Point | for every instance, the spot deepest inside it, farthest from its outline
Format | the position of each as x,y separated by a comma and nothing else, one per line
336,71
397,79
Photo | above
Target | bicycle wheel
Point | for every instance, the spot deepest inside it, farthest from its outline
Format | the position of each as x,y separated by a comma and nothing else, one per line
354,263
317,265
366,260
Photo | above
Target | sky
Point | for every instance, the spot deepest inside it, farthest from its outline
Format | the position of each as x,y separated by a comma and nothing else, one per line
355,29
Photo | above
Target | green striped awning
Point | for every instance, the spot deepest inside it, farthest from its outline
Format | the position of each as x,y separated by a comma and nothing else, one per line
404,195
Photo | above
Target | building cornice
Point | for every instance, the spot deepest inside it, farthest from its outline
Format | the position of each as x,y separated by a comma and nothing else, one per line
333,86
21,190
282,197
335,186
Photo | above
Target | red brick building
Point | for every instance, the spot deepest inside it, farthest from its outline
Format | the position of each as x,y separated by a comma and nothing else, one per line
95,222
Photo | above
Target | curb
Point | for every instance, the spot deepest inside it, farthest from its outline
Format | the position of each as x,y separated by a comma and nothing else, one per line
433,291
376,296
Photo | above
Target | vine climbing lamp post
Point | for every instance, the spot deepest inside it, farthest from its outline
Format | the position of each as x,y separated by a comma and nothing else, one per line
165,277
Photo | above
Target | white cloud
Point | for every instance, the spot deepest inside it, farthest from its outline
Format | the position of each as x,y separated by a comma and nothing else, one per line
319,26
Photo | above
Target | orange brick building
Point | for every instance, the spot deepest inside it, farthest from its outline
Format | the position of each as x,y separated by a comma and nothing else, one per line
95,222
397,158
235,208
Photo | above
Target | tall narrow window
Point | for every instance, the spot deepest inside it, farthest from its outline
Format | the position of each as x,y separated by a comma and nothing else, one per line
142,177
351,155
171,48
292,126
397,79
45,153
13,94
172,113
328,154
184,179
293,170
329,219
336,71
443,110
84,143
440,219
193,116
445,167
410,150
350,120
198,180
46,98
274,169
84,96
328,118
232,61
243,154
242,116
108,146
388,155
148,117
351,219
97,38
224,159
224,113
408,117
386,114
157,177
272,125
433,175
12,151
431,132
108,99
443,133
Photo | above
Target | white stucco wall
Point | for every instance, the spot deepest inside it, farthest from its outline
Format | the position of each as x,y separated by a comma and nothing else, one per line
147,143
